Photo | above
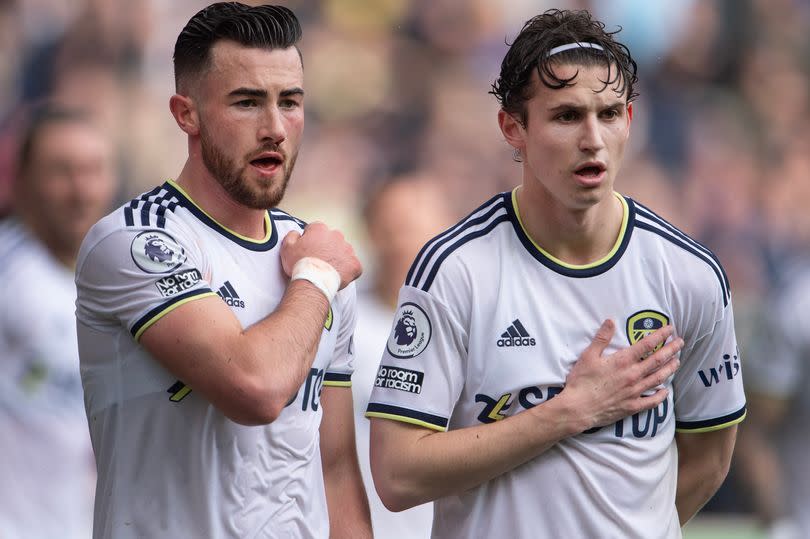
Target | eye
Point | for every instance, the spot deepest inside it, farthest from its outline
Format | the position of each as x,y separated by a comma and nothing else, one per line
567,116
289,103
611,114
246,103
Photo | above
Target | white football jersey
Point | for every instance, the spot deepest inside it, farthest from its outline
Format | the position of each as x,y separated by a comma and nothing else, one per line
46,462
169,463
490,325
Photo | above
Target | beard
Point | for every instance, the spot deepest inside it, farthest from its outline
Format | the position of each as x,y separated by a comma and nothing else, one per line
234,181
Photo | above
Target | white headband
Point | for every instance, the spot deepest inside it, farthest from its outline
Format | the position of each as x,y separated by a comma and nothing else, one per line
569,46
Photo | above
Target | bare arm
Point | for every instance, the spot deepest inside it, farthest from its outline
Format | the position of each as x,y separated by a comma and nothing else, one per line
250,374
703,462
349,515
413,465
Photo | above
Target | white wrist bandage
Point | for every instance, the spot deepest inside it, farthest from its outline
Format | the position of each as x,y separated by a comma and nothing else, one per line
319,273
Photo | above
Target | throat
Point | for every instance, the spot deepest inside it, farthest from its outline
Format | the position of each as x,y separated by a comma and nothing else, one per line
581,238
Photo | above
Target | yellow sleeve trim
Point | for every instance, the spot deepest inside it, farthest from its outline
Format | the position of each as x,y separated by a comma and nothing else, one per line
404,419
721,426
338,384
167,310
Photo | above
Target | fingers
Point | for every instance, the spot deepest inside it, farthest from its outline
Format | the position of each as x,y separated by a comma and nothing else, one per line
288,245
291,238
321,242
648,344
602,338
658,377
657,368
662,358
652,400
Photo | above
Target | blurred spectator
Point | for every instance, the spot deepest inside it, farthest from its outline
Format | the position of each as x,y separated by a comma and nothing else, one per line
400,215
773,444
64,183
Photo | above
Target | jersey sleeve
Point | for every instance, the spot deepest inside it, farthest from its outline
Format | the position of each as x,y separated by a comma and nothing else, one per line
132,277
708,387
341,367
421,373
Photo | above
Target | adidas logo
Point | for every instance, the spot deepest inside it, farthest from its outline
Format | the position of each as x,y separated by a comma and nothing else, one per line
516,335
229,295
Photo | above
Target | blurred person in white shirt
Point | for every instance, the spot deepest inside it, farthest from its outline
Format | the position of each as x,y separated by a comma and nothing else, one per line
64,183
400,216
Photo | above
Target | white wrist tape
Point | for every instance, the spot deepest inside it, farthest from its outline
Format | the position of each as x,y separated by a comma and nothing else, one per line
320,273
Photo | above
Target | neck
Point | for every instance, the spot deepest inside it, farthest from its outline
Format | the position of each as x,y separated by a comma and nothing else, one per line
577,237
208,194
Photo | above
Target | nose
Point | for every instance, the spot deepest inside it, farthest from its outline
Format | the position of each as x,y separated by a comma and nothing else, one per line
272,126
591,139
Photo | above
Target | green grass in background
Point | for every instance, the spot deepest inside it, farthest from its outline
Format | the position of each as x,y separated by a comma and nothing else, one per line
715,527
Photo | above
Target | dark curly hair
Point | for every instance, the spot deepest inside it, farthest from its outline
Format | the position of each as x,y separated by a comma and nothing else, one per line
540,34
271,27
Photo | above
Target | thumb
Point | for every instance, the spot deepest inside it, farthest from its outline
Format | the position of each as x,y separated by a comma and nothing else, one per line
602,338
291,238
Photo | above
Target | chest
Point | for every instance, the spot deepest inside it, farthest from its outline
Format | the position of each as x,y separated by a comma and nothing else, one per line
527,329
533,321
252,283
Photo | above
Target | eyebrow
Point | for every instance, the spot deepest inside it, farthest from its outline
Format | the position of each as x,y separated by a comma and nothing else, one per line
256,92
572,106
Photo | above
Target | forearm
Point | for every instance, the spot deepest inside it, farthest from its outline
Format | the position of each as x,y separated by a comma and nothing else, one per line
424,466
703,463
250,374
696,485
349,515
279,349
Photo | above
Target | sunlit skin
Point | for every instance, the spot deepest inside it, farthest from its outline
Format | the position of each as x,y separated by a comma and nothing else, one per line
67,186
572,148
244,118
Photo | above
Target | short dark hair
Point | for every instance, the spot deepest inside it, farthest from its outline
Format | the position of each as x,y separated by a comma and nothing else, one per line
40,118
530,52
271,27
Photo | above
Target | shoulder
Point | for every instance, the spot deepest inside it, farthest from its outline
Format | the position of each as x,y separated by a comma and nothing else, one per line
30,269
16,244
694,266
448,253
149,219
282,219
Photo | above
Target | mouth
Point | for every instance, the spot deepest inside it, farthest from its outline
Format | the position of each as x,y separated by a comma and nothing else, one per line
267,162
591,173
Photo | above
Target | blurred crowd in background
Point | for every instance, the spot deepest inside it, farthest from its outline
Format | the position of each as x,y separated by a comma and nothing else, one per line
720,143
720,138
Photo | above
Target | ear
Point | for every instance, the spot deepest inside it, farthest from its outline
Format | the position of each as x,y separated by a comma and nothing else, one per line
185,113
512,130
629,120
